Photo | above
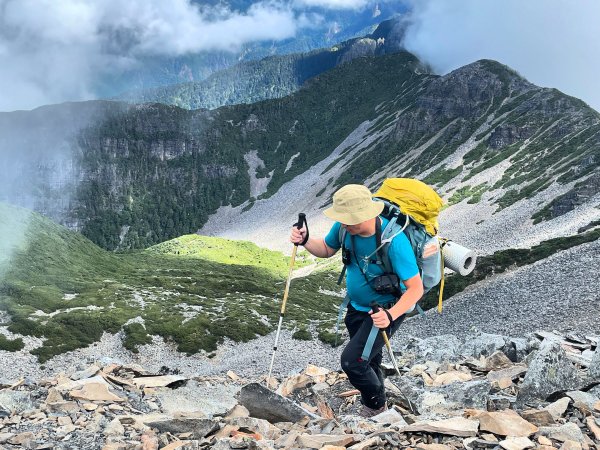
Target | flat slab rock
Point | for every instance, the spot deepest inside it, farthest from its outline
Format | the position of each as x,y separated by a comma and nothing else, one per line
455,426
263,403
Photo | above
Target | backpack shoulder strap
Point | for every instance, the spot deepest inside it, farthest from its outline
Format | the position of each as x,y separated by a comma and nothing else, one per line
342,237
395,226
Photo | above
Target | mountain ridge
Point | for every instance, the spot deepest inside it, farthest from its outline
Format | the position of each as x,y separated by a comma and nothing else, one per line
273,76
481,133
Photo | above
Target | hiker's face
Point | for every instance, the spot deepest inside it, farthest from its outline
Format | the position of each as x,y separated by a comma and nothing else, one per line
359,228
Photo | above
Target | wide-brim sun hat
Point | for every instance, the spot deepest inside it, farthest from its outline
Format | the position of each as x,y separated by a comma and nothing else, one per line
353,204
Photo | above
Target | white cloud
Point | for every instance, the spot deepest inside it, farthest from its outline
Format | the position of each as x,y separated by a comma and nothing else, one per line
553,43
334,4
53,50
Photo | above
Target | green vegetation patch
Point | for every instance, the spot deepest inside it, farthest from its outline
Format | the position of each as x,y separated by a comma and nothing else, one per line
11,345
441,175
135,334
225,251
473,193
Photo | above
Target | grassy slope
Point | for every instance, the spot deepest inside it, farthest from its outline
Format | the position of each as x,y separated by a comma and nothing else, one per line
238,299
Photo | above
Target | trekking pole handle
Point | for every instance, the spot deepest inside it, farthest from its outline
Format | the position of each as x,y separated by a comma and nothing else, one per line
301,222
376,308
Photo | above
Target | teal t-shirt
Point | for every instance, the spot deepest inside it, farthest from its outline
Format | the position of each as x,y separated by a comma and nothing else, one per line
359,291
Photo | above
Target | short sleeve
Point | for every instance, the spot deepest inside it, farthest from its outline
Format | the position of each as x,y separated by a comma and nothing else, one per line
333,237
403,258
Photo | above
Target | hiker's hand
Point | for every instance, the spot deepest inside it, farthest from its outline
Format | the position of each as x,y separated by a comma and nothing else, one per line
297,236
380,319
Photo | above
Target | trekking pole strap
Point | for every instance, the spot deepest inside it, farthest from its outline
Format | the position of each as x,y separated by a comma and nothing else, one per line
368,348
302,221
366,354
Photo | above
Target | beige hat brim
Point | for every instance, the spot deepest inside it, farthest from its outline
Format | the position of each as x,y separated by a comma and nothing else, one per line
355,217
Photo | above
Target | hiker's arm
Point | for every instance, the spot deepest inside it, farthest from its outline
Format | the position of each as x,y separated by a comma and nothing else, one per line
315,246
413,293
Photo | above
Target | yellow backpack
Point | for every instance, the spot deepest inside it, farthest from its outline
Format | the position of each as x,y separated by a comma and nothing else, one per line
412,207
413,198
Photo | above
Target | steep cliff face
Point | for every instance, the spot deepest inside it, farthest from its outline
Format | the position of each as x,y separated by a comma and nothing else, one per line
137,175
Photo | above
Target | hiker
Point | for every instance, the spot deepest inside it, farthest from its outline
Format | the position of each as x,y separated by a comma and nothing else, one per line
355,210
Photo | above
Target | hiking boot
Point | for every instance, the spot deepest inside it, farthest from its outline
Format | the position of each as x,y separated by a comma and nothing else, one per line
367,412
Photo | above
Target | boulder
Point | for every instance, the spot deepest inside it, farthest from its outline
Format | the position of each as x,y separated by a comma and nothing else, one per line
265,404
391,416
593,427
451,377
86,373
258,426
114,428
509,373
497,360
23,440
538,417
158,381
95,392
517,349
583,400
320,440
445,400
549,371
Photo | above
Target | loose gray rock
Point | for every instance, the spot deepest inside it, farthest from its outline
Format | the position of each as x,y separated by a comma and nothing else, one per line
440,349
594,369
550,371
482,344
437,401
265,404
15,402
583,398
198,427
517,349
566,432
470,394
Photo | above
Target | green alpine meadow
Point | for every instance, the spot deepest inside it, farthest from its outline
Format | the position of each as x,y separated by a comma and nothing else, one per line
194,291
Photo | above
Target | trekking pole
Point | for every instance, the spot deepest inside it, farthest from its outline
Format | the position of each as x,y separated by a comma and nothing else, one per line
299,224
375,307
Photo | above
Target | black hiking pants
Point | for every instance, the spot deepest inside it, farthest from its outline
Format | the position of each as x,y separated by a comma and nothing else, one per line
365,375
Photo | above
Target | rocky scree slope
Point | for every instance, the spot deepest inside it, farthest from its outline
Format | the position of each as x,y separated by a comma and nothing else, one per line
486,391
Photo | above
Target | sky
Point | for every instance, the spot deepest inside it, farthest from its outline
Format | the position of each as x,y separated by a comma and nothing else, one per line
54,50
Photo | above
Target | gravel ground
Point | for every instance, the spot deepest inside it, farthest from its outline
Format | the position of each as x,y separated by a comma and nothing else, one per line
559,293
248,360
